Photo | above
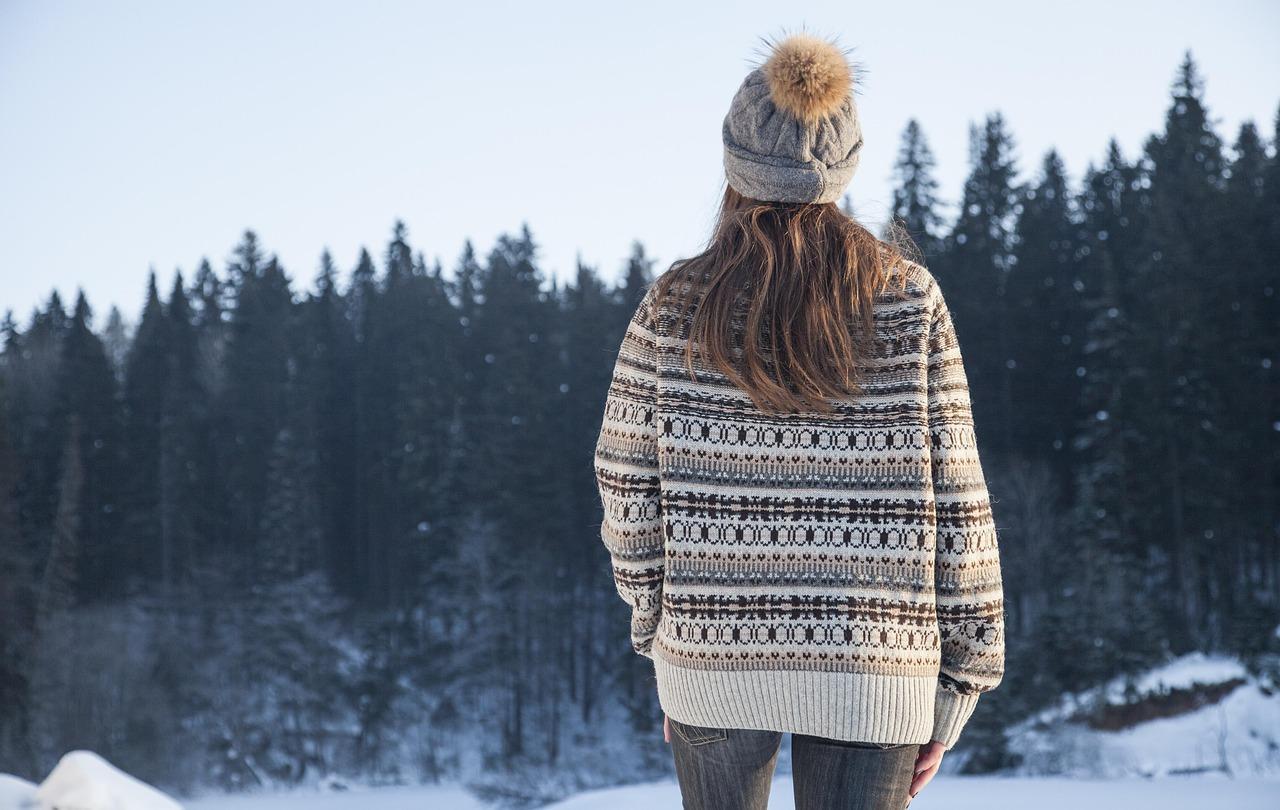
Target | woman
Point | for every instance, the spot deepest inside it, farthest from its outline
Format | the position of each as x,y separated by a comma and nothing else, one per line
793,499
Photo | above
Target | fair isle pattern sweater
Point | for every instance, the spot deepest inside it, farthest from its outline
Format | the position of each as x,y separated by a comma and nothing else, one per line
827,574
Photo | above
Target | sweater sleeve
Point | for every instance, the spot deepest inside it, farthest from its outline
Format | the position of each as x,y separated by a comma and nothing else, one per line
970,601
626,469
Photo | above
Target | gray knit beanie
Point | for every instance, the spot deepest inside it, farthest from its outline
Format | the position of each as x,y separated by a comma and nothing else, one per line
792,132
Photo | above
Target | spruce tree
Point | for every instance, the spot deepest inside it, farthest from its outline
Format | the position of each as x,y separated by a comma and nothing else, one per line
146,381
86,395
326,366
915,192
187,515
1266,290
361,299
59,586
1247,380
116,339
1107,526
974,277
1181,325
636,276
33,360
257,375
514,436
426,433
17,606
1043,292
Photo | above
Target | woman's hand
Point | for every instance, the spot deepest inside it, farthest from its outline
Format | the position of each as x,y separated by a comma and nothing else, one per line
666,729
927,762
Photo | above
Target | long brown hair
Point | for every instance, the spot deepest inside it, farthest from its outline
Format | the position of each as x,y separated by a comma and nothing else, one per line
799,277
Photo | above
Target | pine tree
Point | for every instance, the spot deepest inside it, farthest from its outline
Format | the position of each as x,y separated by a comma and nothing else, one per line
974,276
382,329
208,292
116,339
636,277
17,606
361,299
513,431
426,439
186,456
33,361
59,586
86,395
1109,519
146,381
290,534
210,300
1181,325
1246,377
326,366
466,281
1267,291
257,375
1043,292
915,192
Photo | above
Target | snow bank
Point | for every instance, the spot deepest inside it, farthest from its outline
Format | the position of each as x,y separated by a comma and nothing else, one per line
432,797
15,793
83,780
1236,732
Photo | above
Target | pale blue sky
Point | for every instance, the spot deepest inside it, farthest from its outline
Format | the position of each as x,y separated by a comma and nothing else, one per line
137,135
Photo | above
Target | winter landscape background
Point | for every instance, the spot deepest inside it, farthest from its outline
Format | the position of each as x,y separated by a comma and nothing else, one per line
338,530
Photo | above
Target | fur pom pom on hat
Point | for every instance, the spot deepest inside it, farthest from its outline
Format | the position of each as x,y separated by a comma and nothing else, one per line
792,132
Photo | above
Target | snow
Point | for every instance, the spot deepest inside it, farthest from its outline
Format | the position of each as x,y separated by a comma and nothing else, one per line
1238,735
1181,673
949,792
391,798
82,780
1188,671
15,793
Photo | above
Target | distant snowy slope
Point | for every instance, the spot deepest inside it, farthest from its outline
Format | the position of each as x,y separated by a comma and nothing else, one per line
1197,714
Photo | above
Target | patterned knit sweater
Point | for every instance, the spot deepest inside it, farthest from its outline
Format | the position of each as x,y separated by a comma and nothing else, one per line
827,574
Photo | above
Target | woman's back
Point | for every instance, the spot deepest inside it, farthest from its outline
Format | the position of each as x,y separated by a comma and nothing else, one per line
793,500
833,574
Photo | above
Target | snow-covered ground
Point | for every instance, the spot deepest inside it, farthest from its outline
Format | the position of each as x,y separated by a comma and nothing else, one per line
952,793
1236,731
14,792
426,798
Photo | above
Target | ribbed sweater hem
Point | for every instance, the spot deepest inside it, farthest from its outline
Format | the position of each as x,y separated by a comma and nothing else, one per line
850,706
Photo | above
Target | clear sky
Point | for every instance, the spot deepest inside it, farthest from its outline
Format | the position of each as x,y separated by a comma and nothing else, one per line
137,135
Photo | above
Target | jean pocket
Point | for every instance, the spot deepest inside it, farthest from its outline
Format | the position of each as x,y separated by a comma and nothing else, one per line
877,746
698,735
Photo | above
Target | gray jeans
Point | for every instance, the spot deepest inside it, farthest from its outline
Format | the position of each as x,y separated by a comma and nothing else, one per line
732,768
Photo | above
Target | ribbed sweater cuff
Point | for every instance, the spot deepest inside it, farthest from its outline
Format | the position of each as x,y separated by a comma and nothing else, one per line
950,713
835,705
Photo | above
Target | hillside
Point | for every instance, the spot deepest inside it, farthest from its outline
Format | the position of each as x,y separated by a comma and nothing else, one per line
1198,714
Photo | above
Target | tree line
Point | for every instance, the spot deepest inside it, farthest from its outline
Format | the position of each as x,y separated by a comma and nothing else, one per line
263,536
